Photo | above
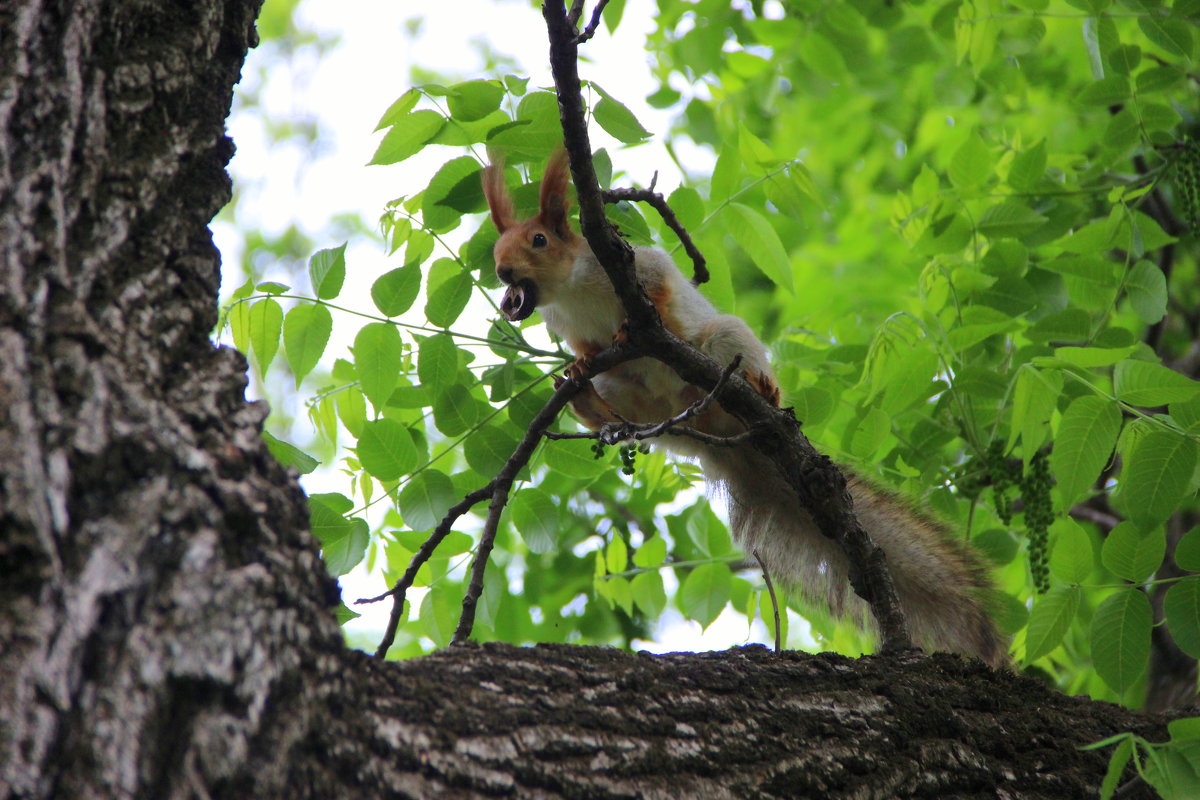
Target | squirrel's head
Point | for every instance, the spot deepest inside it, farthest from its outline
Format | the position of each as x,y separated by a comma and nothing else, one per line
536,256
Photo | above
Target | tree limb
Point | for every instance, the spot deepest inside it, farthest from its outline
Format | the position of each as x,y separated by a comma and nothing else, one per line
819,485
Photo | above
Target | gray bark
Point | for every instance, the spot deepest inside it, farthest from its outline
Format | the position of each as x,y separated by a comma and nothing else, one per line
165,625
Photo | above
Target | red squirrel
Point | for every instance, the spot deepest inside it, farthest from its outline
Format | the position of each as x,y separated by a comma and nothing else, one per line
548,267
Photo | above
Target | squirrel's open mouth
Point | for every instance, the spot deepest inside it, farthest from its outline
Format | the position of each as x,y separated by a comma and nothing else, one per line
520,299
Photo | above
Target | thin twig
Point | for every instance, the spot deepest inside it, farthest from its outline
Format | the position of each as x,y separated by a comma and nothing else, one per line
502,483
659,203
774,601
624,431
419,559
590,30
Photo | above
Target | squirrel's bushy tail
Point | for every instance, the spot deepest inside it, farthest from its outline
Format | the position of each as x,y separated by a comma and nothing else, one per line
942,586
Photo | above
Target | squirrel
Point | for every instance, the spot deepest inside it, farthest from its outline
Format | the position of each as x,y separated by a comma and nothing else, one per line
942,586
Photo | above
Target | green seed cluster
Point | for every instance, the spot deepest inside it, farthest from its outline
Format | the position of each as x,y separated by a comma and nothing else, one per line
628,458
1187,184
1039,513
1002,474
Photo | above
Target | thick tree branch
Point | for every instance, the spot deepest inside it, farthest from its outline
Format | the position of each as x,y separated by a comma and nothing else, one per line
819,485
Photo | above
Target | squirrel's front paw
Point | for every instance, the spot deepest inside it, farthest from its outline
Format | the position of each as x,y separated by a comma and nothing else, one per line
580,368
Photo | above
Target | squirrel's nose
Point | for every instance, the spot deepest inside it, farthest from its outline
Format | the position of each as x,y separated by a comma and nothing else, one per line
505,273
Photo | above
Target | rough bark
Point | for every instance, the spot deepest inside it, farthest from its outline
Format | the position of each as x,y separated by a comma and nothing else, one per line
164,616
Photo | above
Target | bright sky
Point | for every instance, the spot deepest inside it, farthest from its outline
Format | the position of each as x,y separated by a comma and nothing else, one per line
347,90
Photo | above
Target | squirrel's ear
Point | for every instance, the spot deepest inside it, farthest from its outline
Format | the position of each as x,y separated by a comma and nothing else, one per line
498,198
552,203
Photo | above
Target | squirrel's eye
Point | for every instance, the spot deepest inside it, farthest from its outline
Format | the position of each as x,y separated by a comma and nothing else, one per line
539,240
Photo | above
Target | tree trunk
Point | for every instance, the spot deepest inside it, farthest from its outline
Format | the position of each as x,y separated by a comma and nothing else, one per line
164,616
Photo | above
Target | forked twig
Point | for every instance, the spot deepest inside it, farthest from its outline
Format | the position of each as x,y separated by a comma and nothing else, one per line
659,203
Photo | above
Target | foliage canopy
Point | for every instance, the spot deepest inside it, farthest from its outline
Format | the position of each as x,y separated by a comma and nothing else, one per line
968,232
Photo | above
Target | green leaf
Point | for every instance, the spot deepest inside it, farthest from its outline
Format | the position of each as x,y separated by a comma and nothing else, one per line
271,287
617,120
377,354
1182,609
439,615
396,111
489,448
1109,91
352,409
1116,767
386,449
343,541
1186,729
1009,219
1147,290
1123,60
1156,476
1144,383
455,410
652,553
1092,356
1052,615
239,325
1123,131
449,291
1158,79
1034,400
812,405
869,434
266,323
978,323
426,498
1133,554
474,99
1120,638
1071,559
344,614
536,132
407,136
455,189
648,593
306,330
1028,168
1172,35
971,164
704,593
395,291
1072,324
290,455
1187,551
574,459
536,517
751,230
437,361
327,271
997,545
616,555
1086,436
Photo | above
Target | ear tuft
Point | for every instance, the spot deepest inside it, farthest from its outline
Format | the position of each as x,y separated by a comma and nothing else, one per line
498,199
552,202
